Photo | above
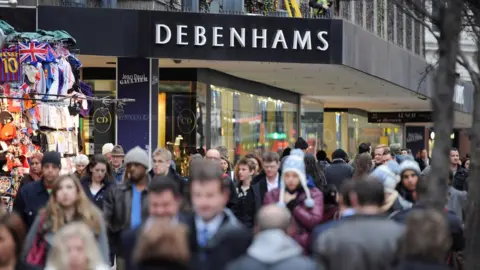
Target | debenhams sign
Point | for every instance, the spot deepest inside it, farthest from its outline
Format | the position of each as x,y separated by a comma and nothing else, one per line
237,37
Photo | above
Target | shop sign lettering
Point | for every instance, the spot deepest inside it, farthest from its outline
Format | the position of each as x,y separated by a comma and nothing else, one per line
237,37
186,121
414,137
126,79
102,120
134,117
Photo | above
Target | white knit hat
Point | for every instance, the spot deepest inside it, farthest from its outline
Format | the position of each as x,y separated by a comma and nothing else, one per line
388,178
409,165
82,160
295,163
107,148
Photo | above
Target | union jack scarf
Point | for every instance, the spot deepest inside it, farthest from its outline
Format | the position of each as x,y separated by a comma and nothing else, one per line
32,52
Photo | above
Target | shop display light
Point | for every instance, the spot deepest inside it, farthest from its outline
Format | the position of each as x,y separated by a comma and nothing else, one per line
277,136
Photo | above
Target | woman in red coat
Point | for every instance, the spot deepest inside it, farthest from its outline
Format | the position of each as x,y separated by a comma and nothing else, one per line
300,196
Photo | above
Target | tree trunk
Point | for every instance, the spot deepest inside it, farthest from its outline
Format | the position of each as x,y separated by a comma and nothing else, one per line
472,224
449,23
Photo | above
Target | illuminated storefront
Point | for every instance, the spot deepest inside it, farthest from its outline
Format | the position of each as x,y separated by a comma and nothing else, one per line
348,128
241,115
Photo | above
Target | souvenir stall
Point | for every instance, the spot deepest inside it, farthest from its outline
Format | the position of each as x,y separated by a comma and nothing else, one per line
40,102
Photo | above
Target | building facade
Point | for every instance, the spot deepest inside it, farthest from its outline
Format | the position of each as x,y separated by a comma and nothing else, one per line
249,83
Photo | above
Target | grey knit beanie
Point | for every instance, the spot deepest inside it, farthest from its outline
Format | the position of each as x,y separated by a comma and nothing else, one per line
137,155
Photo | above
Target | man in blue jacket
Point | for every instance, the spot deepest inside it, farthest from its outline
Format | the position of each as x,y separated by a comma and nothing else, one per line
35,195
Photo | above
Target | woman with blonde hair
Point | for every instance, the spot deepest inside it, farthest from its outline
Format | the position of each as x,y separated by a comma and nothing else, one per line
74,248
68,203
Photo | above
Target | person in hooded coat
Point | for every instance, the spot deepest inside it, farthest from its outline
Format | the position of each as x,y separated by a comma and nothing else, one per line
273,248
409,176
300,196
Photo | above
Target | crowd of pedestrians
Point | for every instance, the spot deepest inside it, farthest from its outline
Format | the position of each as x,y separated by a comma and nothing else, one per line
290,211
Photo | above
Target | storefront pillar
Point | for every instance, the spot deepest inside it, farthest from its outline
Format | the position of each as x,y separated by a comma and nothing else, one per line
137,122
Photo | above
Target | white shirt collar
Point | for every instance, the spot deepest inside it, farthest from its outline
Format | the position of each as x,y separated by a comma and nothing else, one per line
271,186
212,226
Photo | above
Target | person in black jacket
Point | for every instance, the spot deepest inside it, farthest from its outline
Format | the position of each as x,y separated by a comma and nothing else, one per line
216,237
454,223
162,160
164,200
339,171
460,174
35,172
214,155
34,196
244,172
98,179
268,180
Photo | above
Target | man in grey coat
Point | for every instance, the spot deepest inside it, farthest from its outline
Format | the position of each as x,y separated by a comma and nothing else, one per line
272,248
364,241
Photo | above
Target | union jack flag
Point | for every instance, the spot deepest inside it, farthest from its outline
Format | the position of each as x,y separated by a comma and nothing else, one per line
32,52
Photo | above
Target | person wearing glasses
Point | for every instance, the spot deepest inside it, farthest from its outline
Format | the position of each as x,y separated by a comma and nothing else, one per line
214,155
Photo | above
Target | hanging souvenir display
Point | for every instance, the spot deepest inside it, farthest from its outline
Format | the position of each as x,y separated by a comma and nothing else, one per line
10,69
41,102
38,92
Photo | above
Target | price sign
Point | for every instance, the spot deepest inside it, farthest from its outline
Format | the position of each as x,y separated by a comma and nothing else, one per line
10,68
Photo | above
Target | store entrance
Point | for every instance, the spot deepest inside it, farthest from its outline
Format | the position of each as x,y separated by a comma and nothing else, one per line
180,120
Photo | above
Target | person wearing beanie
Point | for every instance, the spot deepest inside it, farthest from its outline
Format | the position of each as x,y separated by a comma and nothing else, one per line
409,177
339,171
301,144
393,201
34,196
125,206
107,150
81,162
301,197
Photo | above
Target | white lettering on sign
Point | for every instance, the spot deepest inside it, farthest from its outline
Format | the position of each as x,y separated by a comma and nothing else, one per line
414,137
218,36
133,78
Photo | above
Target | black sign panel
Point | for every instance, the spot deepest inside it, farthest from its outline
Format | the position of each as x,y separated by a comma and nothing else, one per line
400,117
21,19
415,139
184,35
